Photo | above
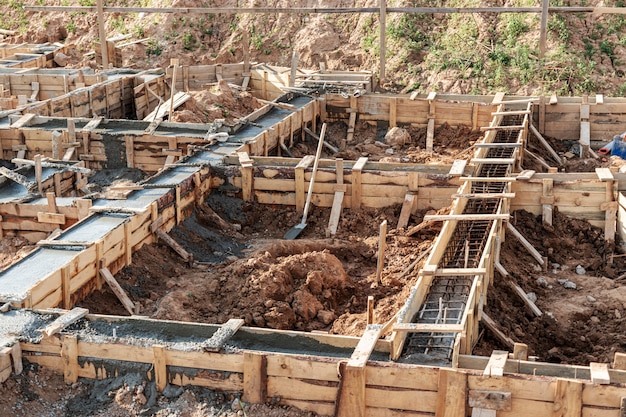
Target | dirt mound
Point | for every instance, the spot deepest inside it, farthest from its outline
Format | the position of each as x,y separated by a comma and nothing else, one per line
219,102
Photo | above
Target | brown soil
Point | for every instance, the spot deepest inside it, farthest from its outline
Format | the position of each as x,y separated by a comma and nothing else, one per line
12,249
579,325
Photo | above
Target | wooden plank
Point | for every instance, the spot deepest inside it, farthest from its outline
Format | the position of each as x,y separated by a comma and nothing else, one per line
382,243
491,400
458,167
451,393
23,121
69,356
117,290
173,244
366,345
493,328
599,373
351,393
254,377
497,361
222,335
54,218
335,213
568,398
535,254
532,307
357,186
604,174
407,208
65,320
160,367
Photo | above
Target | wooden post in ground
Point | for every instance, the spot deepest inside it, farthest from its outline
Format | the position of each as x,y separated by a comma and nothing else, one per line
383,43
254,377
245,41
382,240
451,393
370,309
174,64
543,33
38,172
102,34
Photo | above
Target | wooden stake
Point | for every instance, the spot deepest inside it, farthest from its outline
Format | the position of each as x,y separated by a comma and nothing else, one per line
383,43
370,309
117,290
174,64
382,240
160,367
38,172
254,377
102,34
69,356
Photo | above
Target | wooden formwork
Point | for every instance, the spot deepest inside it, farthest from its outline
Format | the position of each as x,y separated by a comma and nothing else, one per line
504,387
30,55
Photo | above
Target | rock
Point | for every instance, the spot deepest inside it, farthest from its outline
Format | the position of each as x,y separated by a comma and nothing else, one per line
542,281
595,319
326,316
61,59
555,265
580,270
389,151
591,299
236,405
561,281
537,268
618,315
532,297
397,136
569,285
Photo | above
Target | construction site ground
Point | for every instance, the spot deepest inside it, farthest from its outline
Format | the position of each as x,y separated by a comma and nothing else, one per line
319,284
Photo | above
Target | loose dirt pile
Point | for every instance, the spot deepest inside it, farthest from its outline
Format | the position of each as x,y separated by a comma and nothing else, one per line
220,101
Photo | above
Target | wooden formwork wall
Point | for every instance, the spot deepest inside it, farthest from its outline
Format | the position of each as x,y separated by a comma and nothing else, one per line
197,78
274,181
80,276
561,118
30,56
312,384
111,99
403,110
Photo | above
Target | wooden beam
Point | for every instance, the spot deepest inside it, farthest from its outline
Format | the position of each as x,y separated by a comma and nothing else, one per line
545,144
496,364
222,335
174,245
482,196
69,357
407,209
495,330
458,168
451,393
357,190
254,377
599,373
64,320
568,398
117,290
492,145
535,254
160,367
382,243
493,161
530,306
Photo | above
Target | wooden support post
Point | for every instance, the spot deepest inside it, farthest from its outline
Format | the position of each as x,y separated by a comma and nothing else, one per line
247,176
294,68
52,203
370,309
495,330
69,356
335,211
520,351
407,209
245,41
535,254
383,42
130,151
38,173
353,110
128,243
117,290
543,28
382,241
585,131
304,163
547,200
16,357
174,245
393,102
174,63
568,398
65,287
451,393
56,144
430,129
102,35
160,367
357,187
254,377
179,208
